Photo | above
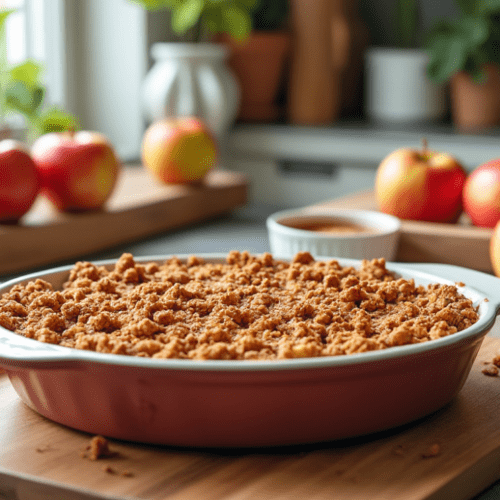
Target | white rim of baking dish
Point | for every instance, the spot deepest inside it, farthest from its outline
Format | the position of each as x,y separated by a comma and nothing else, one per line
18,351
384,224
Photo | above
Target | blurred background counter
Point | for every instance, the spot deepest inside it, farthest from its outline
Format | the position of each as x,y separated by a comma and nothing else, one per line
293,165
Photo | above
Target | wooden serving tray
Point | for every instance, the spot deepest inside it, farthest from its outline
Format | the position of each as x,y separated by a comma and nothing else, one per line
40,460
139,207
460,244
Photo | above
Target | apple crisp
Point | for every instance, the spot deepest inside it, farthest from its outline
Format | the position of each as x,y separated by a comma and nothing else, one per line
248,307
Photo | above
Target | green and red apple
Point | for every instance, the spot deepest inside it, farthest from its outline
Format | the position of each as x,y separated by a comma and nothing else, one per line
78,170
19,181
481,196
420,185
179,150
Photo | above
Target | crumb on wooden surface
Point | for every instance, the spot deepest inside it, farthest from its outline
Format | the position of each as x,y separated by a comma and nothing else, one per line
399,450
98,448
433,451
490,370
44,448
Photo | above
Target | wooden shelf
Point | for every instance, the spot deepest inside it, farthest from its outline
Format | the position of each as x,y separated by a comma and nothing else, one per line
139,207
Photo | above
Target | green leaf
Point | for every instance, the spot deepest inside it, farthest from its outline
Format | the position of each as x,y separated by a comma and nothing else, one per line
407,19
448,55
4,14
237,22
24,99
474,30
186,15
468,7
252,4
213,20
156,4
56,120
27,73
485,7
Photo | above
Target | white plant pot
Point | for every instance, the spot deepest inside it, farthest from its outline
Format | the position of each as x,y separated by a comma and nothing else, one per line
192,79
397,89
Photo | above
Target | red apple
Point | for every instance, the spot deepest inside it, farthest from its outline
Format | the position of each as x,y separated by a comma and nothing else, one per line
78,170
420,185
19,182
481,196
179,150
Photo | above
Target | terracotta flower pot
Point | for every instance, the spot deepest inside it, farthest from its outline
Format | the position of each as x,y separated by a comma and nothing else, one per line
476,106
258,65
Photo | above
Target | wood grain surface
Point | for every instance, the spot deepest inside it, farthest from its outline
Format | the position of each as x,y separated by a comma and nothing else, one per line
459,244
40,460
140,206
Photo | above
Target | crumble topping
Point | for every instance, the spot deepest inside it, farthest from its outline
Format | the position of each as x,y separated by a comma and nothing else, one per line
249,307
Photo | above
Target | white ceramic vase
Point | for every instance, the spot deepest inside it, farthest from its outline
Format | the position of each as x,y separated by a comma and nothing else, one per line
192,79
397,89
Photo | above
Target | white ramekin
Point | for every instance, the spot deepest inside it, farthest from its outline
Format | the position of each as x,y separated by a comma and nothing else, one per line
286,241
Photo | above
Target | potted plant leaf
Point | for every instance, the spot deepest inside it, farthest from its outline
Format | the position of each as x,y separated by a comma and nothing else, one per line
466,53
397,87
191,77
22,92
25,95
259,61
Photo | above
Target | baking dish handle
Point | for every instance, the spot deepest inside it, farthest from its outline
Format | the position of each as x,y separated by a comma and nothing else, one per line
488,284
18,350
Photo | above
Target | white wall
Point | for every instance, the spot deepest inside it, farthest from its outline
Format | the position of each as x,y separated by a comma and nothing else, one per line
271,186
106,59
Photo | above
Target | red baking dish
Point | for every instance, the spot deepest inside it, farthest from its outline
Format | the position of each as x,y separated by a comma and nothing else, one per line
249,403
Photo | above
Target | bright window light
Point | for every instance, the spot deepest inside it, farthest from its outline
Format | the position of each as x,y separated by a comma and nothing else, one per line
25,30
15,31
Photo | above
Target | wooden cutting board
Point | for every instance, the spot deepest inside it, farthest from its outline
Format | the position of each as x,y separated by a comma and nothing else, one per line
459,244
40,460
139,207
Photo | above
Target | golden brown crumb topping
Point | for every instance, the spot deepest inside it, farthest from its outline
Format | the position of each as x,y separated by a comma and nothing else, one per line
249,307
97,448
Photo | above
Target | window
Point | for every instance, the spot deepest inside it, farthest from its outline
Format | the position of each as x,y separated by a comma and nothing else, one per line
25,30
35,31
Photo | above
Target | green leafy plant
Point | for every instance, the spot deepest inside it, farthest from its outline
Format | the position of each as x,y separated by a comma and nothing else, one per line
207,16
465,43
22,92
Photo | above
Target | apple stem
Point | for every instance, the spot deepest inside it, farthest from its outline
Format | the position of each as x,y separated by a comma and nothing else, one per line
424,146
